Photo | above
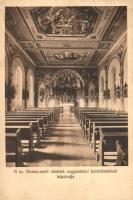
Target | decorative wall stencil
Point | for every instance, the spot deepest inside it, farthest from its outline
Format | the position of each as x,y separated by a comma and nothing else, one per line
65,20
68,56
119,20
14,25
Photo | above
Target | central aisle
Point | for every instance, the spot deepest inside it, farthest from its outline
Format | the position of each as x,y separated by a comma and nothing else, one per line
65,145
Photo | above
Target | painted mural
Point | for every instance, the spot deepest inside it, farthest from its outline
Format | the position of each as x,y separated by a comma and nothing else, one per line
65,20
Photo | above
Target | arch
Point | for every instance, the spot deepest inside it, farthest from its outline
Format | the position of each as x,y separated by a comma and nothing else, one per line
111,60
113,80
57,74
18,80
30,78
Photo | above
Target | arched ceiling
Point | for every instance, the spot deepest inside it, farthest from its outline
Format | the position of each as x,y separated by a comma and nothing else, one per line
66,36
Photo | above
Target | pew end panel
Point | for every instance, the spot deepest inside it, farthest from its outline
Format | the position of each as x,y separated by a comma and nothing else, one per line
113,146
14,149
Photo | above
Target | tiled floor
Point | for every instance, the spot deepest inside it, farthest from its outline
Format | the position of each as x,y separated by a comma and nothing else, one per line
65,145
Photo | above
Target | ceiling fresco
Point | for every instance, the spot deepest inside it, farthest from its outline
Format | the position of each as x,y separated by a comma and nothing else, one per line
68,56
66,36
65,20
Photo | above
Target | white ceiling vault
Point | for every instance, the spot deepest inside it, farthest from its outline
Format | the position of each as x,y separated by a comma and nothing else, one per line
66,36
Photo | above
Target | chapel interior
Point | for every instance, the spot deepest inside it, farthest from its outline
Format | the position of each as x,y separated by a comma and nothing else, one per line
66,86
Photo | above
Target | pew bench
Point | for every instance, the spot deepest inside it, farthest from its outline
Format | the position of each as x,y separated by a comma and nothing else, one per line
90,115
108,153
36,126
26,132
95,134
95,118
42,117
14,147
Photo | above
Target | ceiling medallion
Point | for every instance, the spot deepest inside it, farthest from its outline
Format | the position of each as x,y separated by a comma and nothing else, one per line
65,21
68,56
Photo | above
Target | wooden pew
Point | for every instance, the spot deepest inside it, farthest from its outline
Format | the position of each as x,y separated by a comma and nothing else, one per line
89,125
87,115
122,152
31,115
46,117
90,118
108,153
14,147
26,131
50,112
87,111
95,133
36,125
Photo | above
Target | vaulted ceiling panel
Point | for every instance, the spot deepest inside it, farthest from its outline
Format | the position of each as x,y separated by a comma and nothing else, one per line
72,36
117,25
67,57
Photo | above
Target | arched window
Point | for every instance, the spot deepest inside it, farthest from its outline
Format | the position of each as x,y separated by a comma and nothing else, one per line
114,80
31,88
18,82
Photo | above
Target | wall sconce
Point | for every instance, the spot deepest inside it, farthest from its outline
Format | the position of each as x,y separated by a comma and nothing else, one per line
106,94
117,91
13,91
120,51
10,91
125,90
92,95
42,93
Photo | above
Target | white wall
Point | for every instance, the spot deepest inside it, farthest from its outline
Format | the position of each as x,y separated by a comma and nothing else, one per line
114,103
125,68
102,87
18,80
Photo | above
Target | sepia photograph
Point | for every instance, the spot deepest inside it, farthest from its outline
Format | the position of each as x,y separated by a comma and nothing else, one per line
66,86
66,100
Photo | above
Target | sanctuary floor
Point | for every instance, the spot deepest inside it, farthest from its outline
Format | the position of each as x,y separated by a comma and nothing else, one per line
64,145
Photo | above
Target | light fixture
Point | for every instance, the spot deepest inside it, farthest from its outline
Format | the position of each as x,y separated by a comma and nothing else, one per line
125,90
117,91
